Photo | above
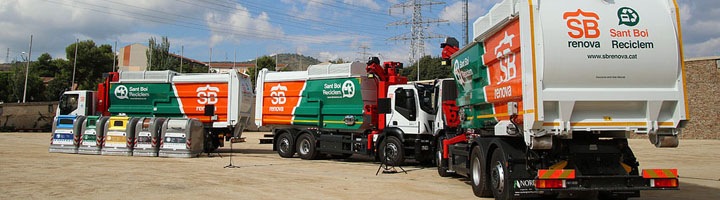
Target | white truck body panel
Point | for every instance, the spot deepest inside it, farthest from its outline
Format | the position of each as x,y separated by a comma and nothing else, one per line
596,65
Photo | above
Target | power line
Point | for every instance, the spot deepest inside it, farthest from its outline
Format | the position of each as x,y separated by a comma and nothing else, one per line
154,19
364,53
359,8
362,29
418,25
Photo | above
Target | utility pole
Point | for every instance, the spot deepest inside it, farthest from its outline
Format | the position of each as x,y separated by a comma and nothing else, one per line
27,69
465,22
182,55
152,48
256,67
72,84
7,57
418,25
276,61
210,63
234,58
364,51
115,56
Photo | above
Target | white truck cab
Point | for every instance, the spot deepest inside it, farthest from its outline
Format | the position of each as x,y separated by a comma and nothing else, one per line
412,110
78,102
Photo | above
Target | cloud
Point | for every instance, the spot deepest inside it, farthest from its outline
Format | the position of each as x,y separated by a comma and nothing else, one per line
364,3
709,47
239,25
176,42
701,26
476,8
57,23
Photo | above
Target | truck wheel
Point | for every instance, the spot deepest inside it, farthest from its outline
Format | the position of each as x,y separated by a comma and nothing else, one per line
442,163
500,180
285,145
392,151
478,174
306,147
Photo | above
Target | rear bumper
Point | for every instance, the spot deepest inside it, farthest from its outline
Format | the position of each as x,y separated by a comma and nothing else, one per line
63,149
116,152
178,154
626,186
608,183
89,150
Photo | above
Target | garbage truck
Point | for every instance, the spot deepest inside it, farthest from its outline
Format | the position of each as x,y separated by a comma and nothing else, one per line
222,102
543,99
345,109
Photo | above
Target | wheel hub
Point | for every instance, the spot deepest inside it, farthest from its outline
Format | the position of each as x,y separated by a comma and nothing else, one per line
498,177
284,145
391,151
476,171
304,147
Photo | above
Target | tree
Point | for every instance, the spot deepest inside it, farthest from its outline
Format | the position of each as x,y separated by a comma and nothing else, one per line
265,62
159,54
44,66
17,84
92,62
430,69
338,61
5,91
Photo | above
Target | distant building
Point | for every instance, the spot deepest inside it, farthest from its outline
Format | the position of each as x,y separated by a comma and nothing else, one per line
5,67
703,91
134,58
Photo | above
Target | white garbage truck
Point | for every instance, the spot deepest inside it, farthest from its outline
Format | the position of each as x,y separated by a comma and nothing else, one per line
544,98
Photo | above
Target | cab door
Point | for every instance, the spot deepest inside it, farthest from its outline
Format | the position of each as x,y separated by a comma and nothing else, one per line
404,111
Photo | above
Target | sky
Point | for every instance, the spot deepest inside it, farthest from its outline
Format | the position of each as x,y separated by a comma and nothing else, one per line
240,30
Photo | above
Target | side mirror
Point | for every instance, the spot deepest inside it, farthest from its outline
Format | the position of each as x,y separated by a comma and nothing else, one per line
383,106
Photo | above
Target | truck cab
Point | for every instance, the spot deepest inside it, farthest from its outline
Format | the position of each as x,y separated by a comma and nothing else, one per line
412,110
78,102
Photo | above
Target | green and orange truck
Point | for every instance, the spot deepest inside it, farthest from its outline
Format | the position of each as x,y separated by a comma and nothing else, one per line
346,109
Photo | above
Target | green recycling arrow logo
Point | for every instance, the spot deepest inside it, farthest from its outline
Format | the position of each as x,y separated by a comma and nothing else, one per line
628,16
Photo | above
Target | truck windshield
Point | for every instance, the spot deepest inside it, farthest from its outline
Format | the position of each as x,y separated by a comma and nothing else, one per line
426,96
68,103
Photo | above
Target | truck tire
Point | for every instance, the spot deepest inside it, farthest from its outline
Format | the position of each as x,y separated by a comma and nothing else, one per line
442,163
392,151
285,145
478,174
306,148
500,181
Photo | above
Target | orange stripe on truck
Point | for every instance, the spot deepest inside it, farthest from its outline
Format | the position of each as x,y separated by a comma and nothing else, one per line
556,174
660,173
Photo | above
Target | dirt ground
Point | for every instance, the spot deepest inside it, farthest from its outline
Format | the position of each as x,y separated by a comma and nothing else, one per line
28,171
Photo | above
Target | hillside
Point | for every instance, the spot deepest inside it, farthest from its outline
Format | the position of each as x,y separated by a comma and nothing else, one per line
294,61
